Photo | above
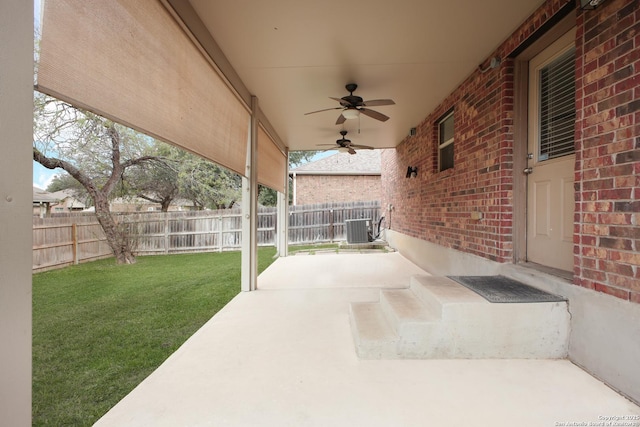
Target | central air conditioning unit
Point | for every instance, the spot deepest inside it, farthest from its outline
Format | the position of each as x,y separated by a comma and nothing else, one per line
358,230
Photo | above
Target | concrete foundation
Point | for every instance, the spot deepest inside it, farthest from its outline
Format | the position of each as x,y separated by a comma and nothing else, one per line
438,318
605,331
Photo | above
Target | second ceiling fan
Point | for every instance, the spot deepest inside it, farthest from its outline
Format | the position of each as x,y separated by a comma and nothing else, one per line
345,144
352,105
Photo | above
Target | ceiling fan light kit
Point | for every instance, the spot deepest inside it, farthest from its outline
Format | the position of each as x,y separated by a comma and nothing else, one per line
350,114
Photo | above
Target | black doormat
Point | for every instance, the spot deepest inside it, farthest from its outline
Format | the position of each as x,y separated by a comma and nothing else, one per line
501,289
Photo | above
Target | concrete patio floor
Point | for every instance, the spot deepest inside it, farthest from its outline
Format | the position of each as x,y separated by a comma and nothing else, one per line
284,356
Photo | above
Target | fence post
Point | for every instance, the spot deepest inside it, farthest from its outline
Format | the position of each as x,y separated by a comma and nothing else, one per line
166,233
220,232
74,239
331,225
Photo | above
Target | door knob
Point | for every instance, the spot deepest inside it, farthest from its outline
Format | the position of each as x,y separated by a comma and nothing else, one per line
527,171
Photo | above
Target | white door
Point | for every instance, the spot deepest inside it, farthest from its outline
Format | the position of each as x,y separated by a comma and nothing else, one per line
551,165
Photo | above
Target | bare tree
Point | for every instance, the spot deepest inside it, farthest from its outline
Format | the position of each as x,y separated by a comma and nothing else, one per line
156,182
96,152
182,175
206,184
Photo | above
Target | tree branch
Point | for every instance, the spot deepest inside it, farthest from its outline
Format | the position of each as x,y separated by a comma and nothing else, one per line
151,199
141,160
53,163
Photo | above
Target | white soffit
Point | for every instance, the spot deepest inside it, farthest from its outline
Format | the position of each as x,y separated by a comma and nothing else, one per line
293,55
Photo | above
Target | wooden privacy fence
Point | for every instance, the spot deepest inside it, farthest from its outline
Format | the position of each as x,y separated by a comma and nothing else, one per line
66,239
199,231
326,222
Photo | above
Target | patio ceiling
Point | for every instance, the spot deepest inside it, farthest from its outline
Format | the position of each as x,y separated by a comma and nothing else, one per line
293,55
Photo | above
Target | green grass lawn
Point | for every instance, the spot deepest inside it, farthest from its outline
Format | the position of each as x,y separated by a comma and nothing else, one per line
313,248
99,329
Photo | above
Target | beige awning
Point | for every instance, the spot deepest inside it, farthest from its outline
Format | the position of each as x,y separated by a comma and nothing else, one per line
130,61
272,163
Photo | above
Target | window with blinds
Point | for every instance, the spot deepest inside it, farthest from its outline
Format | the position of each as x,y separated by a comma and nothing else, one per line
557,107
445,142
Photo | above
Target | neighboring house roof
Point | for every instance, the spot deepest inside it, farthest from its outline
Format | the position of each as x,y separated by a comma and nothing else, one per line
63,194
68,198
42,196
364,162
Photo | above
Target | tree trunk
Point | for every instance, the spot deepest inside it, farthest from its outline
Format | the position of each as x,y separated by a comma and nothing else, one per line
117,236
165,203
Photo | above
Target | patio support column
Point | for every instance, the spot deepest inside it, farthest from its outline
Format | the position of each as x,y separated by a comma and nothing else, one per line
16,210
282,214
249,274
283,223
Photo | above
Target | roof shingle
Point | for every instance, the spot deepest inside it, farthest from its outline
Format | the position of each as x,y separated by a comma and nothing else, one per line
364,162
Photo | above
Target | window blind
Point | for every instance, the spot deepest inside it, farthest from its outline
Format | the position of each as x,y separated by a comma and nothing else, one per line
557,107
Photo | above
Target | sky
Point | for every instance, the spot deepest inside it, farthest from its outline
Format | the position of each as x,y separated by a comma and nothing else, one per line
42,176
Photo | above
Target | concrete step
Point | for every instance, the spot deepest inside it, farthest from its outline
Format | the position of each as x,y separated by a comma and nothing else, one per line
438,292
439,318
374,338
411,319
403,308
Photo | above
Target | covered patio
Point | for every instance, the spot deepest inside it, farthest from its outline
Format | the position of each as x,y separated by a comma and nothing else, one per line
284,356
234,81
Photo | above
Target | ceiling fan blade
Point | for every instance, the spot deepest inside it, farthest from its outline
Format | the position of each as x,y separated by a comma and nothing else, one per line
341,101
361,147
374,114
351,150
378,102
326,109
341,119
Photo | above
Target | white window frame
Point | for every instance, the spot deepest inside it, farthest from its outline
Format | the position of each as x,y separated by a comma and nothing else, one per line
443,144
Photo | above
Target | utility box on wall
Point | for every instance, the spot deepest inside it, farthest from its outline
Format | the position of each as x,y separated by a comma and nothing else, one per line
358,230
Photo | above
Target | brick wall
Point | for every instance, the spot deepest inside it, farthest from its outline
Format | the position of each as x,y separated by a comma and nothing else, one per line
607,229
437,206
312,189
